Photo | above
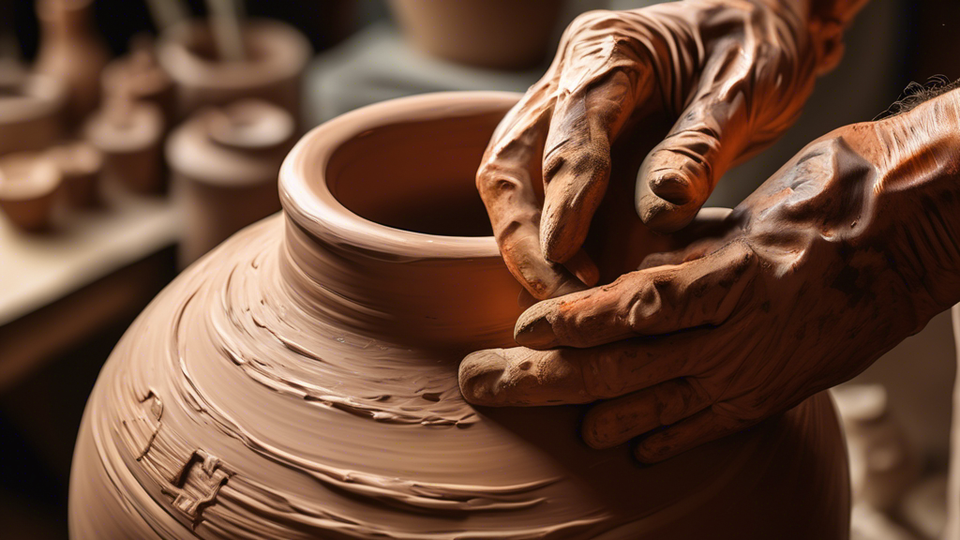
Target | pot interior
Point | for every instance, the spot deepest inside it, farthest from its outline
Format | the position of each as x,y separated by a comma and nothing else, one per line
416,176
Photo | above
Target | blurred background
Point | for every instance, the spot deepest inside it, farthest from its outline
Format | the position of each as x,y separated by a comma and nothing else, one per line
132,141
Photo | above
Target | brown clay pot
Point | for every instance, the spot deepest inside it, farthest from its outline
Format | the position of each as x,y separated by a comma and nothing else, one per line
139,77
30,110
130,136
80,165
300,381
498,34
71,52
28,186
224,163
277,54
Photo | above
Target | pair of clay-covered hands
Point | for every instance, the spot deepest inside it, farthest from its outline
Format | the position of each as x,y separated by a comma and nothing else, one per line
849,248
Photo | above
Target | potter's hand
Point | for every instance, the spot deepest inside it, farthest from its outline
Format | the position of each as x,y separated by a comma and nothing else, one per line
848,249
734,73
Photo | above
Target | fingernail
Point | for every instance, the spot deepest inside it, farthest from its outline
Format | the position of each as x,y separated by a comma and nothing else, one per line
534,330
480,375
673,189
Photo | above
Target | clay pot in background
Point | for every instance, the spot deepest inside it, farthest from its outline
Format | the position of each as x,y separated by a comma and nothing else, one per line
71,52
80,165
224,163
130,136
139,77
497,34
30,110
276,57
883,465
28,185
300,381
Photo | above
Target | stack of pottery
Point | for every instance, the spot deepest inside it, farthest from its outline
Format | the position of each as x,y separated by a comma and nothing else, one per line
300,381
139,77
80,164
30,121
30,109
38,109
225,162
130,136
27,188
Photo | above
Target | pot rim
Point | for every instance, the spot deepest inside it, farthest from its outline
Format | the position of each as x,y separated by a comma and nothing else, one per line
308,202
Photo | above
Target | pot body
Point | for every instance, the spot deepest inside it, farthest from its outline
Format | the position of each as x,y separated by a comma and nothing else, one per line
31,110
300,381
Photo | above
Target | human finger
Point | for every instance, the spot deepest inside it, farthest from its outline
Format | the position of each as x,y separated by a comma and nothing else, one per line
679,174
526,377
703,427
505,181
656,300
576,159
618,420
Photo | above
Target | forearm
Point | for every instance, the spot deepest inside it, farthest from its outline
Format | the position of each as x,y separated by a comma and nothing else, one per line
916,197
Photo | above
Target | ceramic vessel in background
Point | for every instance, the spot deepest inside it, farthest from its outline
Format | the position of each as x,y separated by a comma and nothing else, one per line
71,52
883,465
276,57
139,77
300,381
80,165
130,136
496,34
28,186
224,163
31,106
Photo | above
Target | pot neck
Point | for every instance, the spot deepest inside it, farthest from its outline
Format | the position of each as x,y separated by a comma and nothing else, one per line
422,290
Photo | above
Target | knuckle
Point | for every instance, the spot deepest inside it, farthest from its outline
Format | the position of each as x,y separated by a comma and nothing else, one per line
492,180
646,302
577,159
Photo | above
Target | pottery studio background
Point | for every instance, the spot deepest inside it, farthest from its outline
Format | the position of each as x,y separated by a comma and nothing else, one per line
70,288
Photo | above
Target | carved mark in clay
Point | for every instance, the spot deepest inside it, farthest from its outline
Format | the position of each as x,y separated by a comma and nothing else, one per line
198,483
142,430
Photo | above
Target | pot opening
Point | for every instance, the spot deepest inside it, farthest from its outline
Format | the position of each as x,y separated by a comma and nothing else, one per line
416,176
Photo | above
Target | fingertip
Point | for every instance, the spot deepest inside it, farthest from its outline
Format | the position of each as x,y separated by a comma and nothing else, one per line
479,376
599,429
673,188
663,216
534,329
649,453
560,236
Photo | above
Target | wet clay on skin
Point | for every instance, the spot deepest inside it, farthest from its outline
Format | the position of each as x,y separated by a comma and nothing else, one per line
301,381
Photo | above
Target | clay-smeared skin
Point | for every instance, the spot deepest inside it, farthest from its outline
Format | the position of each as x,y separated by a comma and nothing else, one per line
851,247
733,73
300,382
